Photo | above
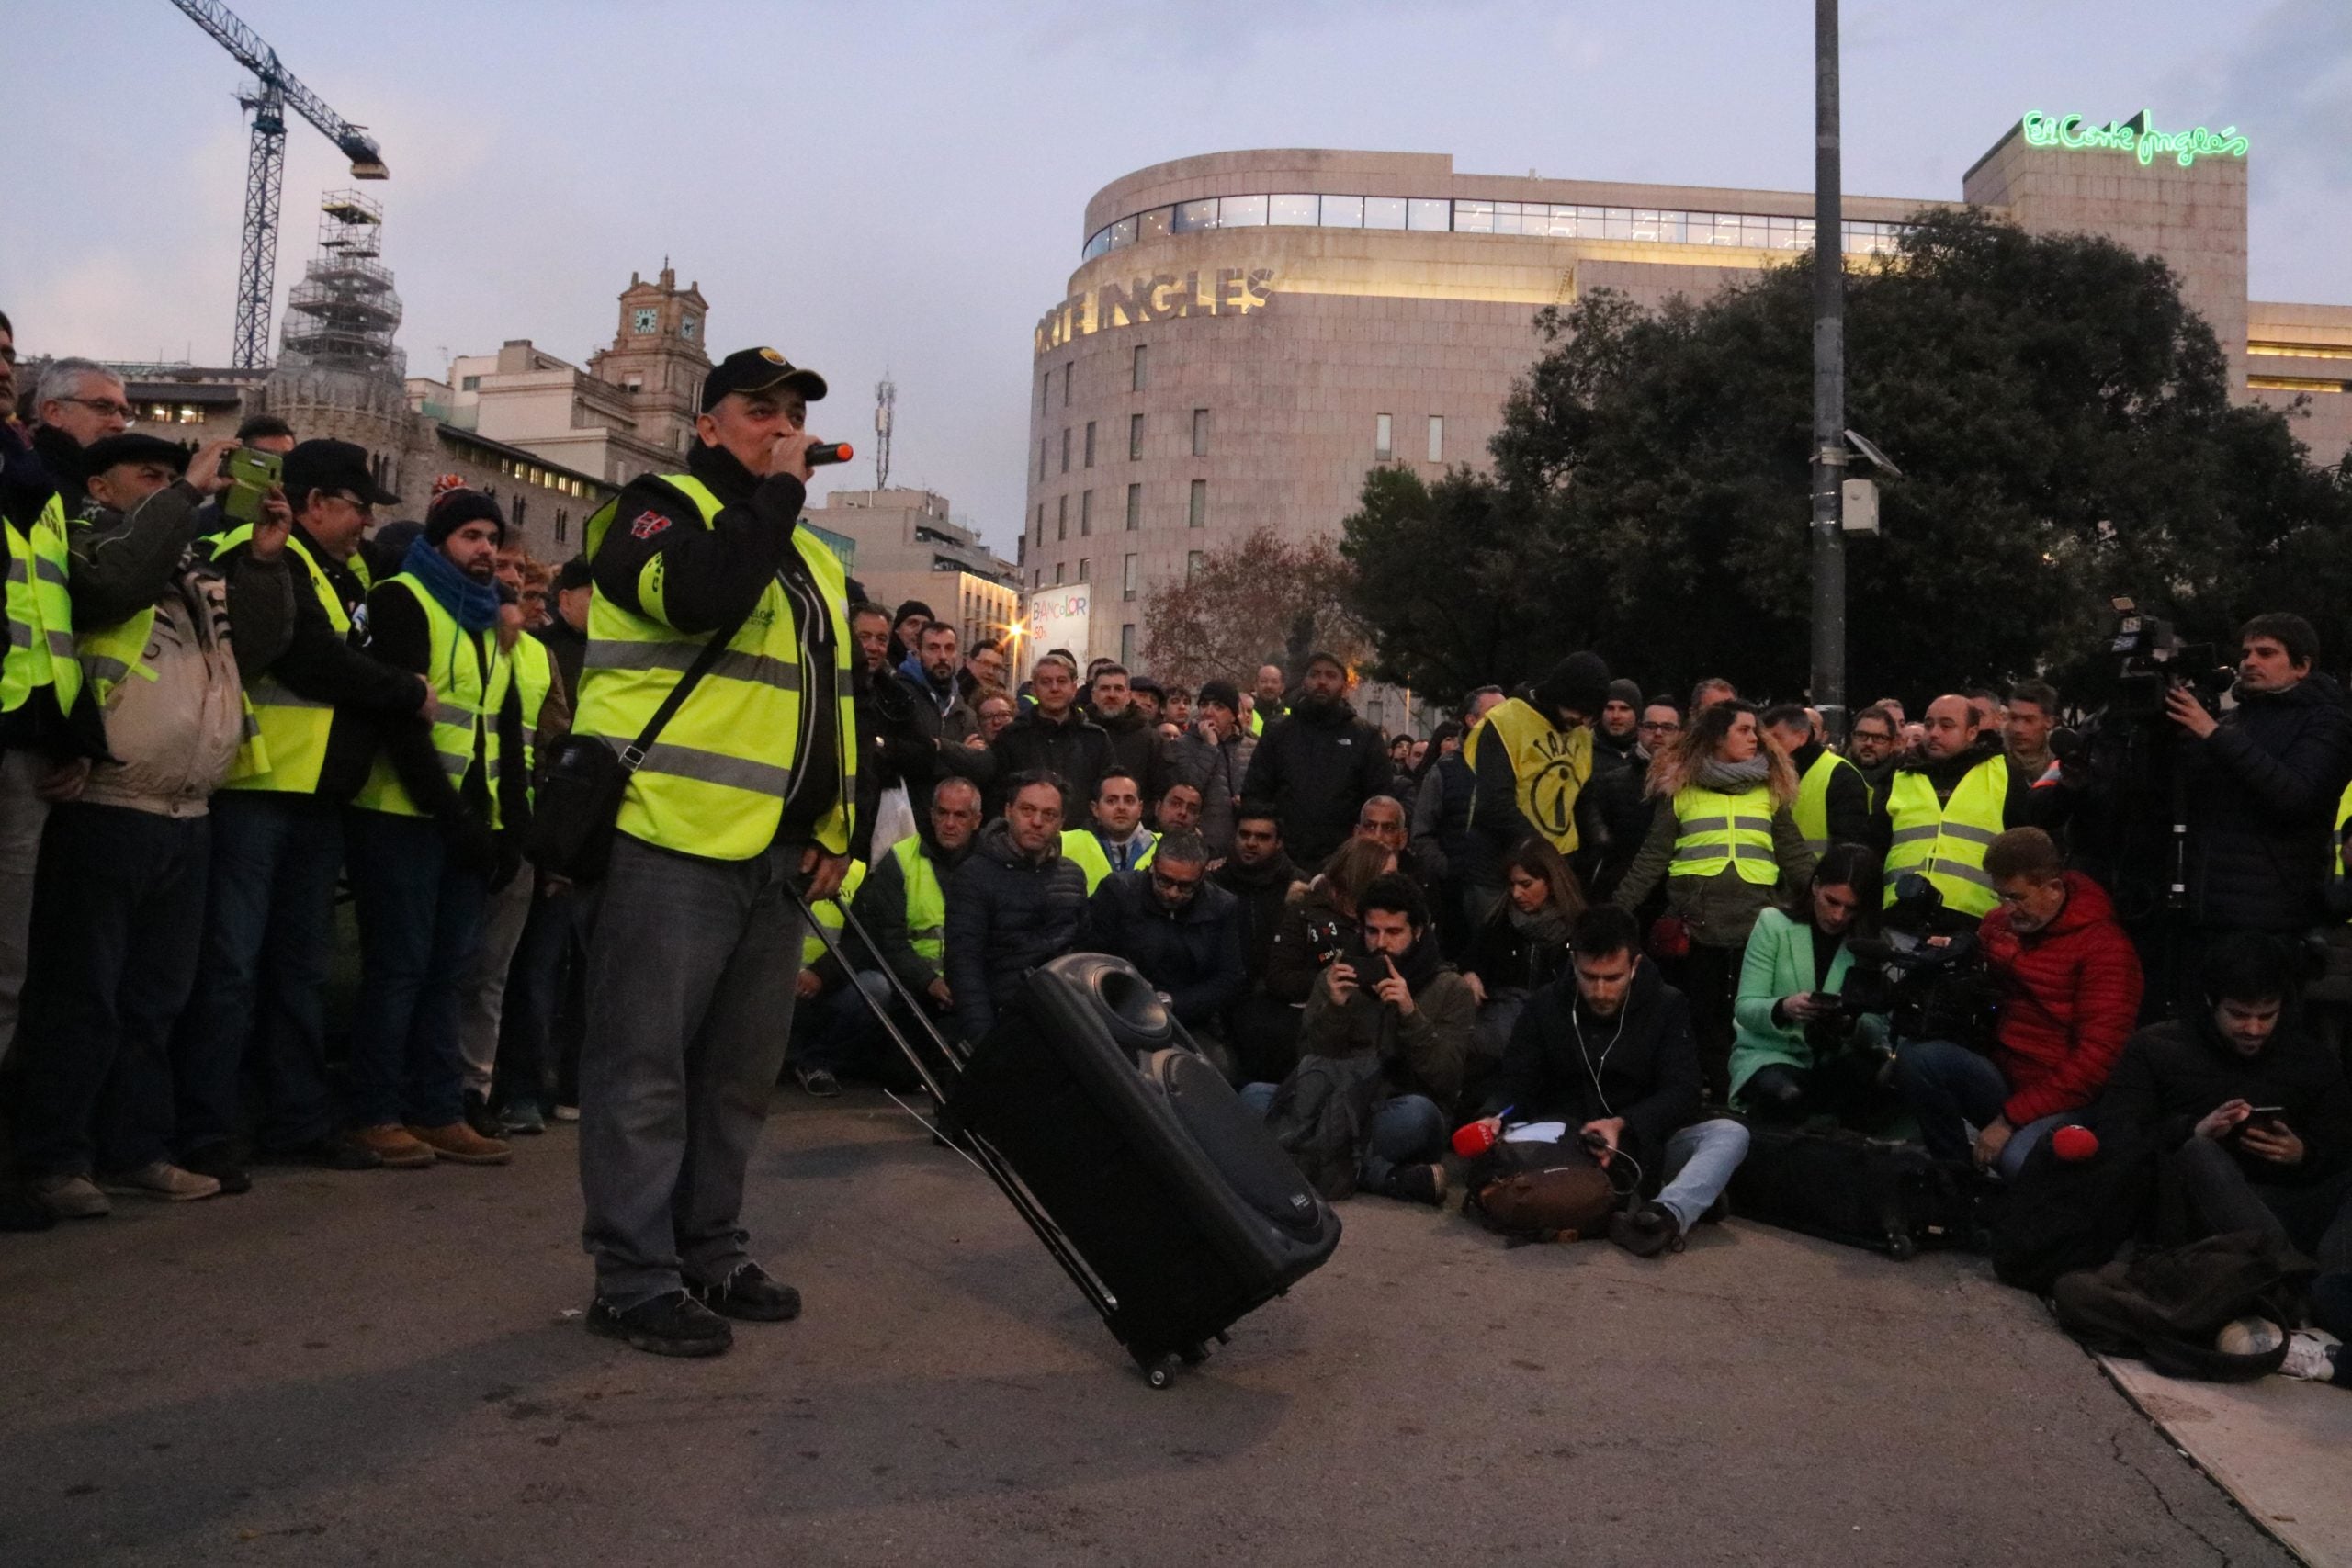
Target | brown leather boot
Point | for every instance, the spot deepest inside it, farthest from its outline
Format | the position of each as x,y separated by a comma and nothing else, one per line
460,1142
393,1146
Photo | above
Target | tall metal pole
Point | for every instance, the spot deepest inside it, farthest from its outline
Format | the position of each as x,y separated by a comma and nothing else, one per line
1828,380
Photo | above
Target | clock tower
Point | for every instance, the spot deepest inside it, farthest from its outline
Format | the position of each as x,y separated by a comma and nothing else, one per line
657,357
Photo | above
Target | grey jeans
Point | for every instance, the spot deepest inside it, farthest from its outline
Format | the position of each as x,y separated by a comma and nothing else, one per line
481,1000
691,968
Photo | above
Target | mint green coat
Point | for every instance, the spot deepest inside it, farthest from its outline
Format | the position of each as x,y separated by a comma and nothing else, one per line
1779,963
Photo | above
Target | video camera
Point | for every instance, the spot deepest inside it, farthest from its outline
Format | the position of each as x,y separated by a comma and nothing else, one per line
1924,971
2157,663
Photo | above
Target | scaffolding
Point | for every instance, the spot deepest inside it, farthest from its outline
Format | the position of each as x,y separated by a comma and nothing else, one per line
343,312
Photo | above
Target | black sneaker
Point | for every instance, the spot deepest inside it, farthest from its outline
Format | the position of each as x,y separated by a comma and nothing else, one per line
674,1324
220,1162
820,1082
1418,1184
1647,1231
752,1294
480,1117
335,1151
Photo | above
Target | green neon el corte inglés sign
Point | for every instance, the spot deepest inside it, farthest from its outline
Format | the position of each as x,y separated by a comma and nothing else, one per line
2135,136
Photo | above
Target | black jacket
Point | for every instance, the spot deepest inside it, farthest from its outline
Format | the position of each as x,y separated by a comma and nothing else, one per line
881,907
1076,749
1259,892
566,650
1614,813
1849,803
2172,1075
1139,748
2262,796
1193,954
327,666
1563,1064
1504,957
1008,913
711,576
1317,768
926,744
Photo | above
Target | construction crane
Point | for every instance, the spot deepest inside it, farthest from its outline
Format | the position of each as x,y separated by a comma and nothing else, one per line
274,91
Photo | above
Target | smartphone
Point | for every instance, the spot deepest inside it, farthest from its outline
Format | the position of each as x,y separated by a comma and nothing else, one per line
252,474
2265,1117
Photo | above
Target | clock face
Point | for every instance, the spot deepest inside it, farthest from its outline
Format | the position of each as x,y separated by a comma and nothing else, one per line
644,321
688,326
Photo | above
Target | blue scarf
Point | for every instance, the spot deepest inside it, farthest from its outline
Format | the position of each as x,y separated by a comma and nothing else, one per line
475,605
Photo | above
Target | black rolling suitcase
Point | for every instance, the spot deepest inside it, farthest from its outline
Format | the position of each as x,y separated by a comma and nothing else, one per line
1863,1191
1168,1203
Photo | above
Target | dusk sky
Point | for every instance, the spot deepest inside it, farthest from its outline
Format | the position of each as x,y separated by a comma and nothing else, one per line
902,186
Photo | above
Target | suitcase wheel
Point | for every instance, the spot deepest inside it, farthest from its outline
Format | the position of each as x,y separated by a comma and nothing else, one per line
1900,1246
1160,1376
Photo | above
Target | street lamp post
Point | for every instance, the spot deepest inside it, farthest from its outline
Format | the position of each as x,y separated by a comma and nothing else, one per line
1828,380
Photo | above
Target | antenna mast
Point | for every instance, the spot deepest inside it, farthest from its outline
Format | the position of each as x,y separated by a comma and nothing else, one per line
886,401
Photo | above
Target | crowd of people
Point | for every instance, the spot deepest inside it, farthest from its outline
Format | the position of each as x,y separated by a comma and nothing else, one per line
1594,923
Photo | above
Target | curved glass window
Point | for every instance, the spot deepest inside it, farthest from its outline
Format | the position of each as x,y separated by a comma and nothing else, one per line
1535,219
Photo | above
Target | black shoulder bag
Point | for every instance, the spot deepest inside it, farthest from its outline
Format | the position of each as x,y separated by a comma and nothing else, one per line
579,798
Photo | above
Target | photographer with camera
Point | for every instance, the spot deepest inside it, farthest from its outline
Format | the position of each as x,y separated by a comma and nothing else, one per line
1801,1049
2261,784
2251,1111
2069,985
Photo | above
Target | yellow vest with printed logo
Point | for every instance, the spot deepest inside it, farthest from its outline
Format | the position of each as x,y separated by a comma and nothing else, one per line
470,676
41,613
1717,832
1549,767
714,783
1946,842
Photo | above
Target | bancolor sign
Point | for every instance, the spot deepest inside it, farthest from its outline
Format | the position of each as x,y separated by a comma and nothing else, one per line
2134,136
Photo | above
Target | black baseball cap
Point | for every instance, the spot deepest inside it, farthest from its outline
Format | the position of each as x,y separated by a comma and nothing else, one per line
134,448
758,370
333,466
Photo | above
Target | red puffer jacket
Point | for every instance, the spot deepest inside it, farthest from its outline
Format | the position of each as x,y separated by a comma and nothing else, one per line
2070,997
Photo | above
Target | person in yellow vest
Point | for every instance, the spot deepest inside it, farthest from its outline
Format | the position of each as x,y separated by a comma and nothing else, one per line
1725,841
1833,804
749,790
1117,840
269,921
1944,806
902,905
432,834
1531,756
1266,693
118,902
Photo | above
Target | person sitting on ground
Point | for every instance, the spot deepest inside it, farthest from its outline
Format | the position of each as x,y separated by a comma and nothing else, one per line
1118,840
1391,994
1383,820
1725,837
1259,874
1523,945
2252,1112
1315,922
830,995
1183,937
2070,986
1018,902
1606,1051
1797,1055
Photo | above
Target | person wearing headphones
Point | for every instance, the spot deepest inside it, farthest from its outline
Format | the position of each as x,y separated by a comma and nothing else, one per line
1604,1060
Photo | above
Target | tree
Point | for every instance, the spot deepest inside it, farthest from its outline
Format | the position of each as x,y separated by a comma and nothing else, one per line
2063,424
1261,601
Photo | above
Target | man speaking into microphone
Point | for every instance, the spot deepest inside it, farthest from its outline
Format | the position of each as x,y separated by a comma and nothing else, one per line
747,789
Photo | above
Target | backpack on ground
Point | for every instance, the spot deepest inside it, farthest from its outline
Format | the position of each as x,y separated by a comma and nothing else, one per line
1322,1116
2166,1306
1542,1192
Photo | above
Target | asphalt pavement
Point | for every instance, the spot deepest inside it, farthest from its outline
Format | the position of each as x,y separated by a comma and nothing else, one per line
388,1368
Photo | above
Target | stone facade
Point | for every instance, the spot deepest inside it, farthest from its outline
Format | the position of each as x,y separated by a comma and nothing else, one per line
1196,383
907,547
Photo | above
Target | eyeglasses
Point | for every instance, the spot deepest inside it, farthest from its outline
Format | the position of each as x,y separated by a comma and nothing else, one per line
1656,727
364,508
98,405
1173,884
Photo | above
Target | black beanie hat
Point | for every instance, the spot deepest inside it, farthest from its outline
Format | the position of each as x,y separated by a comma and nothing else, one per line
1223,693
913,607
1579,684
457,508
1626,692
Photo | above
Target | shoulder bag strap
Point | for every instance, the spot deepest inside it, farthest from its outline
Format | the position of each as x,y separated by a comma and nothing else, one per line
633,754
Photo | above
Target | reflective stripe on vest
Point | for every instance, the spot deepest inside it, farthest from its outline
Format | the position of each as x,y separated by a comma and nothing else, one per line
1549,767
715,784
1812,809
469,702
1718,831
1946,842
292,729
1080,845
41,613
926,901
829,914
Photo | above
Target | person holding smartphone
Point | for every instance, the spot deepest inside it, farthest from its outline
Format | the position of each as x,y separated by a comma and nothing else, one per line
2253,1112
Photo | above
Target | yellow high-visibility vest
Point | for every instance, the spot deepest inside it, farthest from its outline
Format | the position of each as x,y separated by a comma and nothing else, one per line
1946,842
1812,807
1081,846
469,697
1716,830
293,729
1549,767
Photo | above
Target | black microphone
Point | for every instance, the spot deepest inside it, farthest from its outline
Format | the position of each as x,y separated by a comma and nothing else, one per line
819,456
